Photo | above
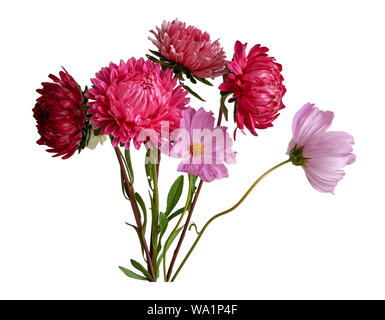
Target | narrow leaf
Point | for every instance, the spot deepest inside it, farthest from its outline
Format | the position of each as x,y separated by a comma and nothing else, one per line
138,233
163,224
152,58
127,157
224,108
132,274
175,214
168,245
193,93
142,269
174,194
124,187
205,81
142,205
156,53
149,170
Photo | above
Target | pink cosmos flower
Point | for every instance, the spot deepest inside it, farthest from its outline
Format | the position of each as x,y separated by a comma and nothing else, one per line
191,48
322,154
135,97
256,83
59,115
204,149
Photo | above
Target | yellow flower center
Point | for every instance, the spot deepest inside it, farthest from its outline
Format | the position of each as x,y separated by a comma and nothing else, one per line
196,149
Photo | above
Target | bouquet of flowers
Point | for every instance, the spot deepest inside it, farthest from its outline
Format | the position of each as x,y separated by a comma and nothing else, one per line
143,104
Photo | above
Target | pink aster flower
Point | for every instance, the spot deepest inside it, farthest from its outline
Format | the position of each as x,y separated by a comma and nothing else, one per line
203,147
191,48
256,83
59,115
135,97
322,154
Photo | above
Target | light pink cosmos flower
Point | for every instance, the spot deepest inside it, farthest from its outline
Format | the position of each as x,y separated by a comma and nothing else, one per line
135,97
203,147
256,83
322,154
191,48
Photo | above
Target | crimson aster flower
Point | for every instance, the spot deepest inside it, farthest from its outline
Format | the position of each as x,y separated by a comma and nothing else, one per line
322,154
191,48
59,115
135,97
203,147
256,83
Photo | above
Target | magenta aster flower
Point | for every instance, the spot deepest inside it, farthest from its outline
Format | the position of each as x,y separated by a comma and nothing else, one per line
322,154
204,149
59,115
191,48
135,97
256,83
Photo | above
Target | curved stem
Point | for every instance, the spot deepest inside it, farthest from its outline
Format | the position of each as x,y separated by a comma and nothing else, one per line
190,190
225,212
135,210
220,115
184,231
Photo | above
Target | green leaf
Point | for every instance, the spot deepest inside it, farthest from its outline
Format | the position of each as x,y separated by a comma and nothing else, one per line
193,93
168,245
224,108
127,157
124,187
205,81
175,214
149,169
150,57
163,224
174,194
142,205
138,233
156,53
132,274
142,269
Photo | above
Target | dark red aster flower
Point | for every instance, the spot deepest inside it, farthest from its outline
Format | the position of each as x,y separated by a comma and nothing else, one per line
59,115
256,83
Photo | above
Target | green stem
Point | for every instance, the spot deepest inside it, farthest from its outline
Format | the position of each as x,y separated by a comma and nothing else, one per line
223,213
155,216
135,210
190,191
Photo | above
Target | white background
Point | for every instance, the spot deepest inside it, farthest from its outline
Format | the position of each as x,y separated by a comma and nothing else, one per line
62,231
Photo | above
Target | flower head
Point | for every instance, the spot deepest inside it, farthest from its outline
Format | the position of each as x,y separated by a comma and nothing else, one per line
256,83
203,147
135,97
322,154
59,115
191,48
